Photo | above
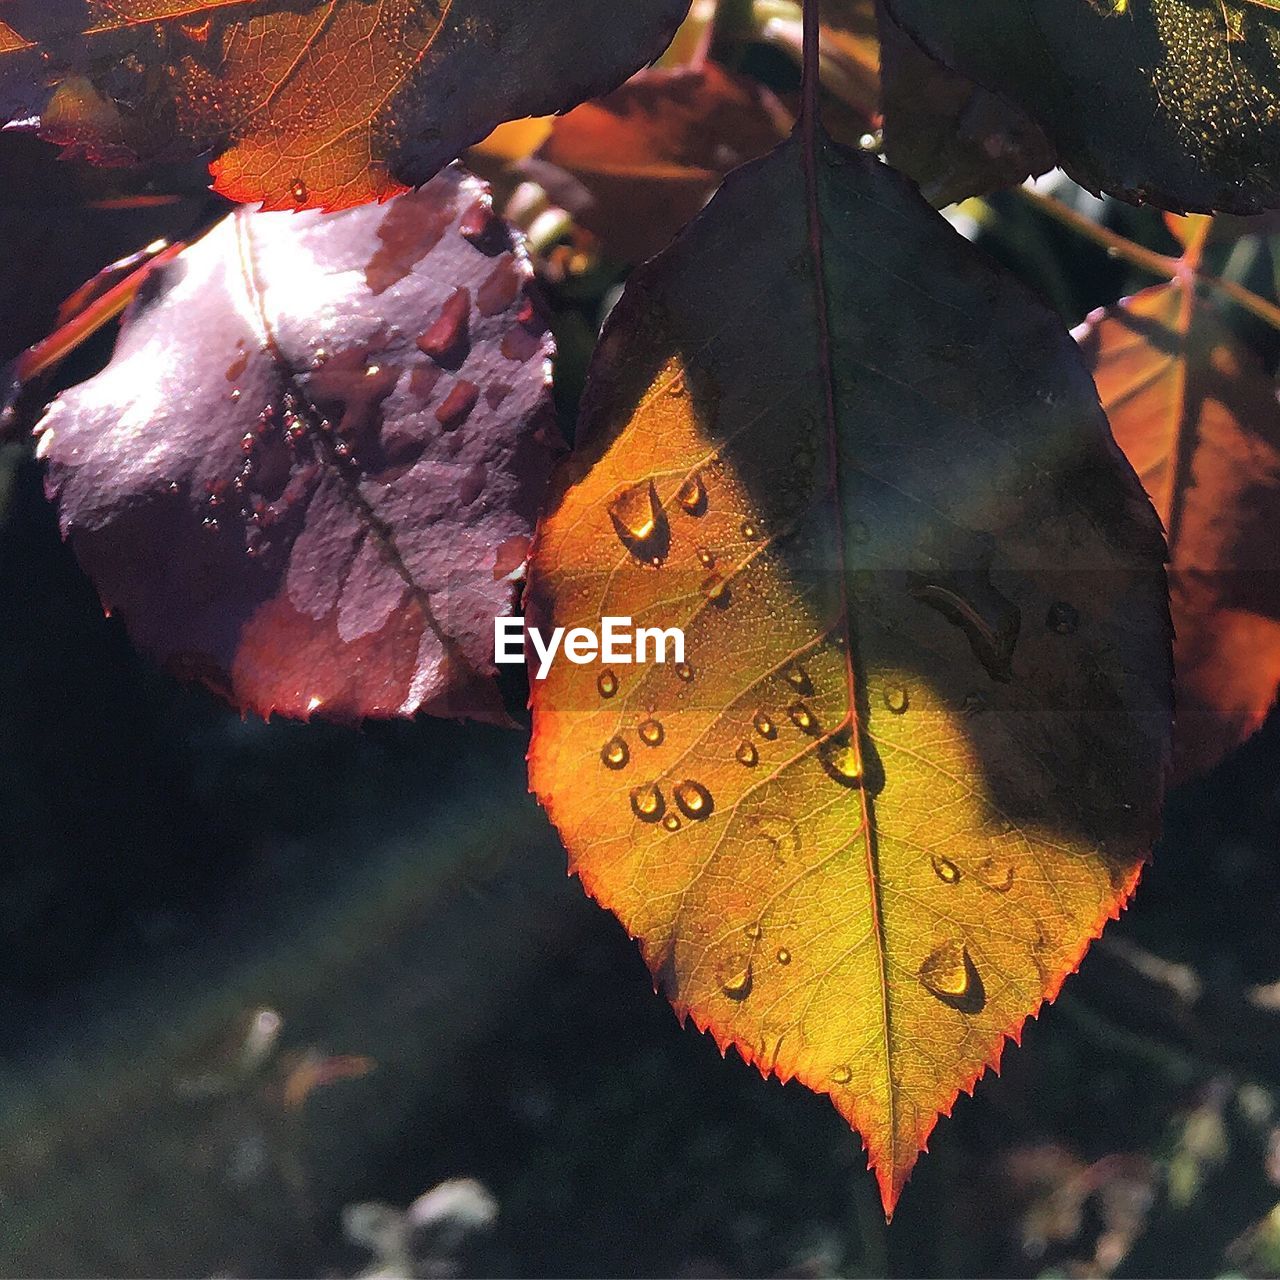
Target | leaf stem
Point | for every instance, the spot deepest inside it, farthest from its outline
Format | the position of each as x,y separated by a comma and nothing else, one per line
1158,264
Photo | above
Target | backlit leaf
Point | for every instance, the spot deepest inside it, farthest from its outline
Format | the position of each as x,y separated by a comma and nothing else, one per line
309,475
1197,415
1176,102
912,761
311,103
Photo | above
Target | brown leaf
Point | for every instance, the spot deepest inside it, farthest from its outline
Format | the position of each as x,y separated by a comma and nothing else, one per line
1197,416
311,103
634,167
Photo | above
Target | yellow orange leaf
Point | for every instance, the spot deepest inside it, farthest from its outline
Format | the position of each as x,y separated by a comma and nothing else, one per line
912,760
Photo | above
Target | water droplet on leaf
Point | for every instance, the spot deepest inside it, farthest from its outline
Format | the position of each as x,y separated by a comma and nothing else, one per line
798,678
841,760
684,671
841,1074
694,799
802,717
764,726
747,754
896,699
651,733
949,973
693,496
945,869
784,956
614,753
607,684
640,523
648,803
735,977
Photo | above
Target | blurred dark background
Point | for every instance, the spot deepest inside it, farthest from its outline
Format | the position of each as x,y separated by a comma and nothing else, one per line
263,985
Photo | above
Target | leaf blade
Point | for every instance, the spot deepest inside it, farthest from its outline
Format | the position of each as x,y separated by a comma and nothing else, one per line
770,907
253,81
294,487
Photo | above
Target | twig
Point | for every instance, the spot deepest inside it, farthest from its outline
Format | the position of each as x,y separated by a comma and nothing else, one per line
1158,264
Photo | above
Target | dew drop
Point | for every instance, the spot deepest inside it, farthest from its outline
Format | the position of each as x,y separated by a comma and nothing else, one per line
948,973
784,956
651,733
735,977
798,678
640,523
684,671
298,190
692,496
1062,618
841,1074
676,387
615,754
607,684
671,822
747,754
705,558
896,699
802,717
997,876
694,799
841,759
750,531
716,589
764,726
945,869
648,803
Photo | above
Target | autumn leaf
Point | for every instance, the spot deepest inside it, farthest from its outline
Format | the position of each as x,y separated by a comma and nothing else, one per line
1173,102
1197,415
309,475
636,165
311,103
912,761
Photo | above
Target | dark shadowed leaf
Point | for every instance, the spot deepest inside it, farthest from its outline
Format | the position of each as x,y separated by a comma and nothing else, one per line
1176,102
311,103
311,470
953,137
635,166
914,757
1197,415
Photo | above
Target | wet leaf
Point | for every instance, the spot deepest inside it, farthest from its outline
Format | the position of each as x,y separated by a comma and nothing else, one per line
256,81
1197,415
310,472
1168,101
912,760
634,167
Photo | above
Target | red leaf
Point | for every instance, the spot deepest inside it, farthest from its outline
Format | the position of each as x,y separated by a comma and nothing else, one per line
286,481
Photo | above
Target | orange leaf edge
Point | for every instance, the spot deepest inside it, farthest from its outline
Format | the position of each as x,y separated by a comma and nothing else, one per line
891,1178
